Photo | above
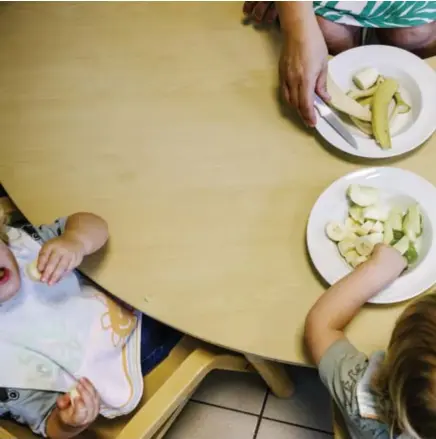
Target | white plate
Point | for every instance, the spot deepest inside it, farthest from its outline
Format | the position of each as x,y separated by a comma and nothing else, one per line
417,84
398,187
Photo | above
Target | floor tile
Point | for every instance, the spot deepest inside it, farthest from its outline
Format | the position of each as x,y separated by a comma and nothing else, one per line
235,390
200,421
276,430
309,406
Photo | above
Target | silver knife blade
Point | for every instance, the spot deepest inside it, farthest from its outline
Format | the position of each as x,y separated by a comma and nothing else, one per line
330,117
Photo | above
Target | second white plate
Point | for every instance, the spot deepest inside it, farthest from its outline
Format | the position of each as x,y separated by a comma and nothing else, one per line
417,84
394,183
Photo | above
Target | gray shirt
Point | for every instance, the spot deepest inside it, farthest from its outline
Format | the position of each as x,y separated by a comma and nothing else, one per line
341,369
32,407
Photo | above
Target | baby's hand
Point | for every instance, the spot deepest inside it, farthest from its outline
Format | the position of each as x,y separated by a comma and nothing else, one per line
389,260
83,409
58,257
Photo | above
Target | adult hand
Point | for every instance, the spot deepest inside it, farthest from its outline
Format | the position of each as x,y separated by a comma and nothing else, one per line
303,70
261,12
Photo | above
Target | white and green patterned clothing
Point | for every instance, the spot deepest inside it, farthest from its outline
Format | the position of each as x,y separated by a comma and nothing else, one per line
377,14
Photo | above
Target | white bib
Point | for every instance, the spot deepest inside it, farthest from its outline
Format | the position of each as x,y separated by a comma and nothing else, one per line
52,336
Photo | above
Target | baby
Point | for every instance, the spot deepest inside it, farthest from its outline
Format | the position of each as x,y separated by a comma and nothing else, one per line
68,330
391,394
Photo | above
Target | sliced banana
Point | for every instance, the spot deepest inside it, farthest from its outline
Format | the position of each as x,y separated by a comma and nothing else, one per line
376,238
365,228
402,245
388,233
33,272
366,77
363,196
359,260
346,245
364,246
377,228
74,394
351,256
351,225
336,231
356,213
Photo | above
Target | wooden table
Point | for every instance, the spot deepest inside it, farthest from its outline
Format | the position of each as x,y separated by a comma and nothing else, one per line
164,119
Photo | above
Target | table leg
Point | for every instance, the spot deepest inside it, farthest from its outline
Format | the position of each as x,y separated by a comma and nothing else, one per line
274,374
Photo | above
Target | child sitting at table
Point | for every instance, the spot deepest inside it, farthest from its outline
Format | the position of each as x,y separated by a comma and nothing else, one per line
69,352
390,394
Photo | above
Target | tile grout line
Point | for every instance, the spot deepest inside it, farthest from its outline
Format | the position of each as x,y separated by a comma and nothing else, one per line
298,425
210,404
260,417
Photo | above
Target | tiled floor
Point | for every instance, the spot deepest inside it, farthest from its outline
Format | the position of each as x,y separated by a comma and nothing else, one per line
233,405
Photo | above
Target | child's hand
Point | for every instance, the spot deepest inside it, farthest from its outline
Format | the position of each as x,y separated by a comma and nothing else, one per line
58,257
83,410
389,260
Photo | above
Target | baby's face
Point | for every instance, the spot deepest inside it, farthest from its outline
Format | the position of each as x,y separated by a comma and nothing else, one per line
10,281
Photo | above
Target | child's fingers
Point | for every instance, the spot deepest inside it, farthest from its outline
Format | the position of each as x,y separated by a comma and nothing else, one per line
43,257
63,402
50,266
59,270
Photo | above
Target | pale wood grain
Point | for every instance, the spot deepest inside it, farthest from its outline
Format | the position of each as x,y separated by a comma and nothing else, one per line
163,118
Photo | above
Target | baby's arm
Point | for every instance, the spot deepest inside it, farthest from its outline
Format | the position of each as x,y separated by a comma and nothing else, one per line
335,309
82,235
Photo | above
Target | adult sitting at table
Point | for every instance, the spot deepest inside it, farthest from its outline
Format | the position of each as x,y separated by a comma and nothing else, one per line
313,29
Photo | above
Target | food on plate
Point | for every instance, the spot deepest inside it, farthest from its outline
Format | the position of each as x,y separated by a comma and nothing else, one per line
344,103
370,221
380,112
33,272
372,106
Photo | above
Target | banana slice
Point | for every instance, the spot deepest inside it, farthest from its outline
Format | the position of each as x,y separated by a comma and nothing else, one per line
350,256
377,228
351,225
346,245
336,231
366,77
356,213
73,395
364,246
359,260
365,228
33,272
363,196
376,238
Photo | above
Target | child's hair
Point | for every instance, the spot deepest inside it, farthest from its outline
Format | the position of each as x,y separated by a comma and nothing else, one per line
3,222
407,378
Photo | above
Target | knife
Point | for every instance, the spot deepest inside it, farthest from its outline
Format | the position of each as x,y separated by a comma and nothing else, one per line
327,114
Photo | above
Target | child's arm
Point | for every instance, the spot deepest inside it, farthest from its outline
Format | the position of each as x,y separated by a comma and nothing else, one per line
70,418
335,309
84,234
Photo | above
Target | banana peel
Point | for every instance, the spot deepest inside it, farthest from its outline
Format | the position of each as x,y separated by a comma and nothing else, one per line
380,112
345,104
403,107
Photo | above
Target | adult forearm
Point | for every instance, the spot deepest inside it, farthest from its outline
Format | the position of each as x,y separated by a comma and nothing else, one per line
89,229
294,16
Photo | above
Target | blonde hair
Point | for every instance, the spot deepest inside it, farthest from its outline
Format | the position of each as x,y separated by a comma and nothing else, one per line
3,222
407,379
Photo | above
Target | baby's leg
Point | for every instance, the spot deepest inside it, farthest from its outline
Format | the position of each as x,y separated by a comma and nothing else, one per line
420,40
339,37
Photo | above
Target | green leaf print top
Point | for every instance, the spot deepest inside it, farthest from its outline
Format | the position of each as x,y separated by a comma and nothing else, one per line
378,14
